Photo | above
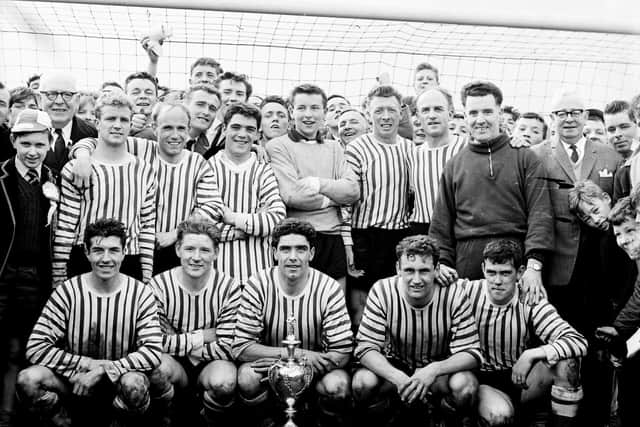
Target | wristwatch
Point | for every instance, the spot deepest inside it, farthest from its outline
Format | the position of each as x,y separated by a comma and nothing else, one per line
534,265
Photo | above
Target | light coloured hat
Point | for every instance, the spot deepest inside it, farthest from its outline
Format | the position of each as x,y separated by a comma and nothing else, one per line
31,121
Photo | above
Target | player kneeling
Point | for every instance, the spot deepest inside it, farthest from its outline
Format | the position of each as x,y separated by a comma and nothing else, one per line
98,335
316,301
196,307
514,373
417,340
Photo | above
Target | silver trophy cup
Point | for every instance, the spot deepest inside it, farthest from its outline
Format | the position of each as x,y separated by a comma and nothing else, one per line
290,377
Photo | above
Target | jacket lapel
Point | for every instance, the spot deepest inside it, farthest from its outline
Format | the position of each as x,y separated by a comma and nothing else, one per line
589,159
560,155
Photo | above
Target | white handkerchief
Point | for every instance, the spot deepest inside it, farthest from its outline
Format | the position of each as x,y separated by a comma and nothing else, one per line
604,173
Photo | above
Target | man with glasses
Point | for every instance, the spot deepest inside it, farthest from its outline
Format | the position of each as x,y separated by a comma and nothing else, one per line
570,275
60,101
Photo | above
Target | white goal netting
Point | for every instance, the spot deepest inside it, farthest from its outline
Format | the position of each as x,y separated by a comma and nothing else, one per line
343,55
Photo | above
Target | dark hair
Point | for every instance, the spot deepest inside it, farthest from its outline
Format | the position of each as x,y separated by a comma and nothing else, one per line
618,106
206,61
427,66
480,88
239,78
116,84
595,114
535,116
511,110
1,85
444,93
276,100
246,110
336,95
503,251
20,94
623,210
198,225
458,115
293,226
308,89
142,75
421,245
33,78
205,88
384,91
105,227
357,110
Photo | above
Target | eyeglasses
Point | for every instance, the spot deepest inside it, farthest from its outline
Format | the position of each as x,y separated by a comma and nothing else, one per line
563,114
53,95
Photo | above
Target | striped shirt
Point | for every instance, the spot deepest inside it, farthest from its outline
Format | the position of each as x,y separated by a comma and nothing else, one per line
417,336
251,190
77,325
184,188
425,170
506,330
183,312
125,192
383,176
322,321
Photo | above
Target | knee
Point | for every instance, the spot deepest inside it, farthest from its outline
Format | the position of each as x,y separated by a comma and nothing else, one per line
364,384
133,392
335,385
567,373
464,388
220,384
30,380
496,411
249,381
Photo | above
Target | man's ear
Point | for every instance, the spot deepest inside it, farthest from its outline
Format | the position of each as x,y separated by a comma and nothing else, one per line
312,253
606,198
520,272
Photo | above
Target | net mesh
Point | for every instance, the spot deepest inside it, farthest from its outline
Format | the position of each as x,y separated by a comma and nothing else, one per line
343,55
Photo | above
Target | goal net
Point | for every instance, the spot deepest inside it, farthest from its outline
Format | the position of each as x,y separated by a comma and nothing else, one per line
343,55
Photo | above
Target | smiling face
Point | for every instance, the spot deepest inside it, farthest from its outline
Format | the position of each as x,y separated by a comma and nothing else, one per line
32,148
433,112
172,130
293,255
594,131
483,117
143,95
531,130
114,125
105,256
335,106
502,280
423,80
275,120
569,117
241,133
197,254
385,114
628,237
418,276
203,75
232,92
308,114
203,107
351,125
59,99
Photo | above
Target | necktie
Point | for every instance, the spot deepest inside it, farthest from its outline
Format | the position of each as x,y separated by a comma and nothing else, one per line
32,177
59,146
574,153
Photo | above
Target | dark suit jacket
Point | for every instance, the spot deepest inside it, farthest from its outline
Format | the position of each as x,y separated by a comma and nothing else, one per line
6,148
8,215
79,130
599,164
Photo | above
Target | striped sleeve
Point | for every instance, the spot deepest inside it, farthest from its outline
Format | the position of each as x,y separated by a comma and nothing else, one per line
147,236
229,292
272,209
68,224
249,321
173,343
208,202
373,327
464,332
85,144
49,330
148,338
561,340
336,324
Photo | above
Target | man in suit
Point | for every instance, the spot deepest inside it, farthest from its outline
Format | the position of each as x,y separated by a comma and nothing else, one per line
574,276
60,101
26,189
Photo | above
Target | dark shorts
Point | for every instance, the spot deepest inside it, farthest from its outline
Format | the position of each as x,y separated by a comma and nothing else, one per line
501,380
79,264
165,259
419,228
374,251
330,257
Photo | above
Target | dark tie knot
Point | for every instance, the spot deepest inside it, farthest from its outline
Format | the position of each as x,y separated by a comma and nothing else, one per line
32,176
